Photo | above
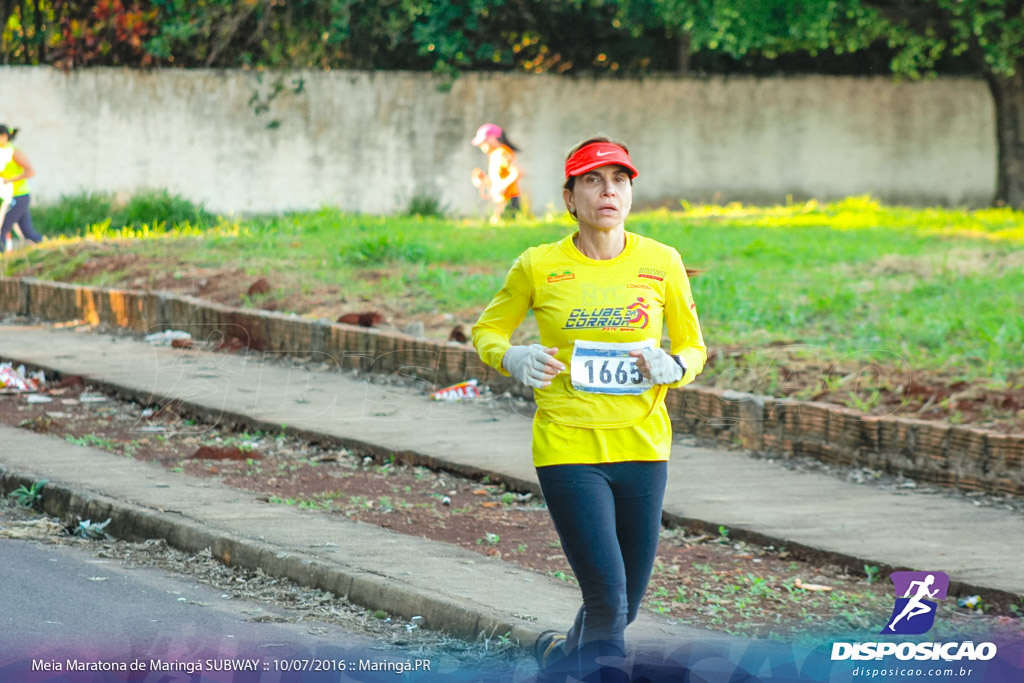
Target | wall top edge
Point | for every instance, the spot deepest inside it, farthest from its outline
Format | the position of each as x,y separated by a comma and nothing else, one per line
489,75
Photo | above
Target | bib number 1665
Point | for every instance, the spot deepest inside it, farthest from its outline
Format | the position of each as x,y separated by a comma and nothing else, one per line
607,368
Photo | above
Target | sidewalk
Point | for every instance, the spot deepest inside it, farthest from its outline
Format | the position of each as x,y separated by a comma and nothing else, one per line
980,548
452,589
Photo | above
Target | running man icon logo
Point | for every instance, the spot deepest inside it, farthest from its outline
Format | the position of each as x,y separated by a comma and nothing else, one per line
639,308
916,592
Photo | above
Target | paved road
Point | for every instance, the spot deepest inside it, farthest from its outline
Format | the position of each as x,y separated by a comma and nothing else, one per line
64,603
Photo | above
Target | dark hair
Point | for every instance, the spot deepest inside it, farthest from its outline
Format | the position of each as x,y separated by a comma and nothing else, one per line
503,140
570,182
9,132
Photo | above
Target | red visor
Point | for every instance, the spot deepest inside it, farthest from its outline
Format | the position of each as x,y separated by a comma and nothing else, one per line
598,154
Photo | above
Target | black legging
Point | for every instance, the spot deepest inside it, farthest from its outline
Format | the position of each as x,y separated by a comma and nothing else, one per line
19,213
608,518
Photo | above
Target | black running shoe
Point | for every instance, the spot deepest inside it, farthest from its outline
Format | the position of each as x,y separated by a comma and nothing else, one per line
548,647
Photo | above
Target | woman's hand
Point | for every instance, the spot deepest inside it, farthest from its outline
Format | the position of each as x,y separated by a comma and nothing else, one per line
658,366
533,365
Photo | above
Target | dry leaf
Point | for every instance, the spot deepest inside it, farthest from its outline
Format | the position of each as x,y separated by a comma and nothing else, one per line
40,528
812,586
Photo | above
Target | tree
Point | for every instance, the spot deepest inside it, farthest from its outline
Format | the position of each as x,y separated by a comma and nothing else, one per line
537,36
987,34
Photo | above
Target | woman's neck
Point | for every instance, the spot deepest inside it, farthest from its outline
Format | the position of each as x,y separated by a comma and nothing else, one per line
601,245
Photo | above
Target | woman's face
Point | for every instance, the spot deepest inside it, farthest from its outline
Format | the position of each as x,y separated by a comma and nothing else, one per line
489,143
601,198
4,139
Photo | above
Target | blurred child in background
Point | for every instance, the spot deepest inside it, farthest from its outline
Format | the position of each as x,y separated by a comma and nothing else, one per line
500,183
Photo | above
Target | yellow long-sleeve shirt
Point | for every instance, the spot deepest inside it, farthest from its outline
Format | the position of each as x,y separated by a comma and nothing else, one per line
9,168
629,298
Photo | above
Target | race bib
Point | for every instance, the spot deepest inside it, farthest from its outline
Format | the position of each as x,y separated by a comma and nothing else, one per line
607,368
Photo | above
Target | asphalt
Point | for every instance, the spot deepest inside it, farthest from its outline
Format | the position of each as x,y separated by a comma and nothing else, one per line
455,590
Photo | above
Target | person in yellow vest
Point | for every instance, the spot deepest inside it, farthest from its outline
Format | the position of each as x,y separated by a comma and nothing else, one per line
14,174
601,432
500,183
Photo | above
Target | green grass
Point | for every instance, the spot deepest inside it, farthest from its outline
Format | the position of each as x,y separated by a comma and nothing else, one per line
73,213
935,289
97,214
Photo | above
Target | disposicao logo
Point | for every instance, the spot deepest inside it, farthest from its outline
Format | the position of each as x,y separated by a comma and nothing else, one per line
914,614
916,593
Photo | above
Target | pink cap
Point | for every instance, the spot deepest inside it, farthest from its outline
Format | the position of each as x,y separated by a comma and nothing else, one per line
485,131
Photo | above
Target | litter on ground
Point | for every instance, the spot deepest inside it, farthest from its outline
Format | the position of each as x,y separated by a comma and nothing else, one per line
13,380
458,392
167,337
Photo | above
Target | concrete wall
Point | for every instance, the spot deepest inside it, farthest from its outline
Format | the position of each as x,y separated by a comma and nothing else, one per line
369,142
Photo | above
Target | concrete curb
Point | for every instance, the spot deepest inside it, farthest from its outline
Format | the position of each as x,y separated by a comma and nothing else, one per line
242,421
940,453
366,589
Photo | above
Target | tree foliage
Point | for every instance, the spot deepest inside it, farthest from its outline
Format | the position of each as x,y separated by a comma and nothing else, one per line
558,36
989,33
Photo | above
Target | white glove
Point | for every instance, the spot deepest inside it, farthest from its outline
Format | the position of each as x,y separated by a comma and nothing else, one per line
532,365
661,367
